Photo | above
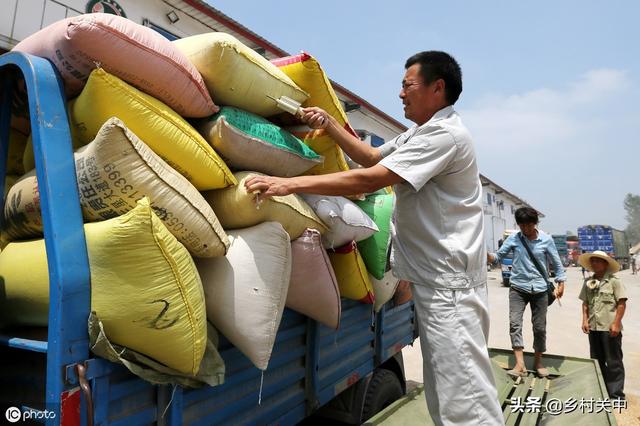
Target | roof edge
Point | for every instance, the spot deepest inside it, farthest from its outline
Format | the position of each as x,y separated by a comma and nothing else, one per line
511,194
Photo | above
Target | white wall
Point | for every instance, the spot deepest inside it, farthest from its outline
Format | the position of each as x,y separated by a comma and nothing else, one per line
497,220
21,18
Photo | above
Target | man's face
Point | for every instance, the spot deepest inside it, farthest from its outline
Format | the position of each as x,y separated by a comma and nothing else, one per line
528,229
599,266
420,100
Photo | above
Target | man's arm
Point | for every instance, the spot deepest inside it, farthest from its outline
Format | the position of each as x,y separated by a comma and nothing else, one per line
616,325
585,318
561,275
357,150
505,248
351,182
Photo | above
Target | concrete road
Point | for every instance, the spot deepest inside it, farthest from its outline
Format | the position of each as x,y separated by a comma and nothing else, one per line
564,336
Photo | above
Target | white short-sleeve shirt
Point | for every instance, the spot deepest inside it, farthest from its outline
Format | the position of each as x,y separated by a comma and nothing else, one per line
438,218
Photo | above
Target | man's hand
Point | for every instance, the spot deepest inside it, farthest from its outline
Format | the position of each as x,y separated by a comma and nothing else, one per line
315,117
403,293
268,186
614,329
585,326
559,291
490,258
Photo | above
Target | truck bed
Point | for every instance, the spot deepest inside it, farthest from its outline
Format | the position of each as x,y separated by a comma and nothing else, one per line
570,377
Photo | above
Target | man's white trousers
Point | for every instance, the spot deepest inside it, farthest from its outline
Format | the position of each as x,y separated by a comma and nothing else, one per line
458,380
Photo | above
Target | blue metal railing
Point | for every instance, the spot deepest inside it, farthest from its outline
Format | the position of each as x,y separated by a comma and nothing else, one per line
69,279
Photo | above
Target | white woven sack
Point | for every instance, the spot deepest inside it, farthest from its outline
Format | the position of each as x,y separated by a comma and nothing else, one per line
383,289
245,292
346,221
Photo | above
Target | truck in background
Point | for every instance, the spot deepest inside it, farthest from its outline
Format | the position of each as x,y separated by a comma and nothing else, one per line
560,240
573,249
607,239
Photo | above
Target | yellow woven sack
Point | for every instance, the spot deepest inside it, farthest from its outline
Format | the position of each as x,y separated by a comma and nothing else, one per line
113,172
166,133
236,208
352,275
237,75
28,160
319,141
144,287
17,144
307,73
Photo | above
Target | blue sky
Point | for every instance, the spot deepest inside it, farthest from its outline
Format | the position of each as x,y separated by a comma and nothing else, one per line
551,89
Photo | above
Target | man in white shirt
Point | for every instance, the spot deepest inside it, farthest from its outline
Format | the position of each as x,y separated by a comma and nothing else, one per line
438,245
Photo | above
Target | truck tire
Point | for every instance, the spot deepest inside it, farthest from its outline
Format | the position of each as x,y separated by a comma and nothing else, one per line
384,388
505,282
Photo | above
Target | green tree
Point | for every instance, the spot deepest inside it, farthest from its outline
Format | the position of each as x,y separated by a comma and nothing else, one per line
632,206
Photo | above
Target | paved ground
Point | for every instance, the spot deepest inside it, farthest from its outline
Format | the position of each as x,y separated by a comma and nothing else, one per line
564,336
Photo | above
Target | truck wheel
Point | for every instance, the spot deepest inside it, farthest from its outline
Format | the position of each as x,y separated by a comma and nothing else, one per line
505,282
384,389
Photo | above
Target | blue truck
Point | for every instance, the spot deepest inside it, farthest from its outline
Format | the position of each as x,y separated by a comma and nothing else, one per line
607,239
49,375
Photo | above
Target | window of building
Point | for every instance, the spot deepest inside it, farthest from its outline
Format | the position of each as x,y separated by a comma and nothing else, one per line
167,34
489,198
513,209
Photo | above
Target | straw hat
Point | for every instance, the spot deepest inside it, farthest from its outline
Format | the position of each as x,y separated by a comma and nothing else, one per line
585,261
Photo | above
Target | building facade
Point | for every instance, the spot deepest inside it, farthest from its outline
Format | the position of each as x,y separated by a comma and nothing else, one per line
499,206
181,18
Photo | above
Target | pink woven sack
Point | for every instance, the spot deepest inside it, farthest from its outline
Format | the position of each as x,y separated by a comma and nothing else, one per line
135,53
313,290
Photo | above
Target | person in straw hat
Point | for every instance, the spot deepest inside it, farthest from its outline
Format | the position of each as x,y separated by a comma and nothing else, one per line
604,301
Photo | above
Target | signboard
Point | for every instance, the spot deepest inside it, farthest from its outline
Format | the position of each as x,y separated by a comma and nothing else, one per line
105,6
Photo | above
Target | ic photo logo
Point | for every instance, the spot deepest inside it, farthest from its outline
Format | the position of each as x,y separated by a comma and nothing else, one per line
14,414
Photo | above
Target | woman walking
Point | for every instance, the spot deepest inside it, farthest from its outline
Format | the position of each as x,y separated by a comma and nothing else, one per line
529,284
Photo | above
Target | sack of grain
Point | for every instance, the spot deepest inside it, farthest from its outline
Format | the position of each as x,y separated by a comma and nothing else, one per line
320,141
113,172
313,290
351,273
157,310
307,73
374,249
135,53
236,209
346,221
246,290
247,141
237,75
383,289
166,133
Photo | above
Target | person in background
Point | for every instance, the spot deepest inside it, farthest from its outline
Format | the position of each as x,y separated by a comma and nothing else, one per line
633,263
604,301
438,245
529,286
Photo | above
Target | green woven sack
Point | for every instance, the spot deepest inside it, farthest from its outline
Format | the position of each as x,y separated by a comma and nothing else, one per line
249,142
379,207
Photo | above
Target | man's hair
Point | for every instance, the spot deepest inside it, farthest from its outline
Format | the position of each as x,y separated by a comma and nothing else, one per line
526,215
434,65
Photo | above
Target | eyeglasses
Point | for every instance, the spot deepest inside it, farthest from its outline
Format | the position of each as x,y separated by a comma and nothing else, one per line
407,84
